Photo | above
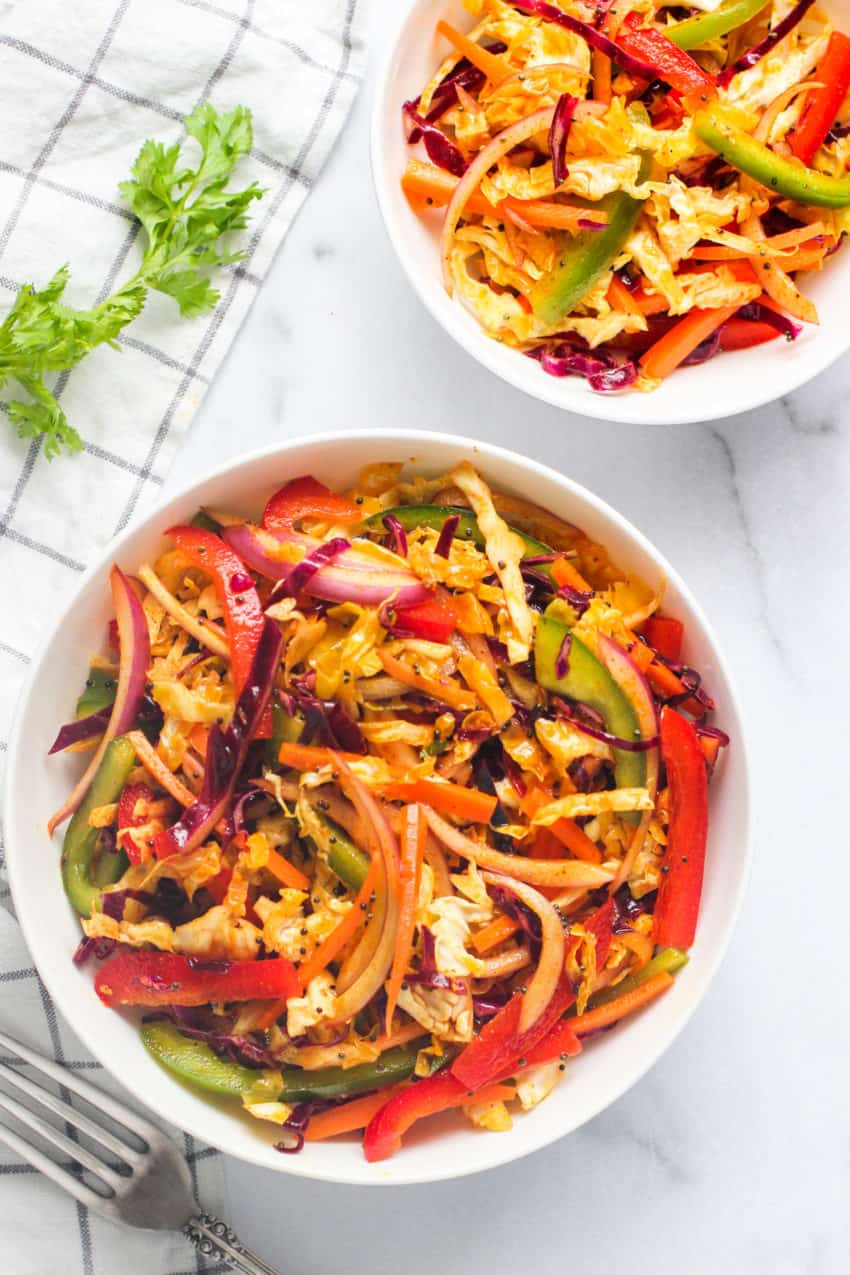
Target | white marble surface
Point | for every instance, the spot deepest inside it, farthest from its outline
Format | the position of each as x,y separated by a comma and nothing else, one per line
732,1157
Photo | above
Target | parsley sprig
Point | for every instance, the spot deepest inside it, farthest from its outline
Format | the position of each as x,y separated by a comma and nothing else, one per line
185,213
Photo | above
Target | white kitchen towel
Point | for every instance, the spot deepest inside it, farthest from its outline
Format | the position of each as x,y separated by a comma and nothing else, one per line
82,85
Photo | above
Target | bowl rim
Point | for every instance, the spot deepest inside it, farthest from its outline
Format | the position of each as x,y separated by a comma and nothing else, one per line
758,391
528,469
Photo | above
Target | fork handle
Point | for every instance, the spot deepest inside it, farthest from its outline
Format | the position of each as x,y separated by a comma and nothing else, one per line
214,1239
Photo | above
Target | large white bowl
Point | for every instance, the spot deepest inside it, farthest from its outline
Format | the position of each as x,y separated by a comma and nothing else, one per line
36,786
725,385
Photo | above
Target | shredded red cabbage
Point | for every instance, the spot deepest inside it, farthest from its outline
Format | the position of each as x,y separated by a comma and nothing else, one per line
758,51
113,901
245,1049
513,773
559,132
97,948
441,151
326,723
628,909
398,534
562,659
765,314
314,561
226,751
447,534
704,351
596,40
84,728
578,714
598,369
578,599
691,680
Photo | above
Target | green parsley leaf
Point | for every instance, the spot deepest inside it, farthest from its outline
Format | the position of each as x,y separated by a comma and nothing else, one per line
188,217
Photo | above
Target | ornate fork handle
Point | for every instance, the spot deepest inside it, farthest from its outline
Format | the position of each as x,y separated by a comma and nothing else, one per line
214,1239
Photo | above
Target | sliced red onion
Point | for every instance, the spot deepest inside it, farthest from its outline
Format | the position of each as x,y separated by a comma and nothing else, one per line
134,644
84,728
562,659
226,752
447,534
765,314
585,223
356,577
513,773
441,151
596,40
539,559
303,573
398,534
559,133
193,663
758,51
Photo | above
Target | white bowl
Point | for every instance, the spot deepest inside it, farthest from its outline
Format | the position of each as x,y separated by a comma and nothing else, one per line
36,786
725,385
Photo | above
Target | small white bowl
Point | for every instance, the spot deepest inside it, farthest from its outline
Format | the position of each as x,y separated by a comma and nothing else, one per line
35,787
725,385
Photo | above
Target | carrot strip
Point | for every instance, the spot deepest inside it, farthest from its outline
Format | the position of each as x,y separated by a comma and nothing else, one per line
356,1114
444,692
286,873
494,67
350,1116
494,932
467,804
565,573
650,303
426,183
662,679
605,1015
410,873
347,928
310,756
270,1015
619,297
156,767
673,348
568,832
546,212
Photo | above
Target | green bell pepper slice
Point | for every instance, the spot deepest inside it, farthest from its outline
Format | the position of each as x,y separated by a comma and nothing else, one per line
702,27
285,729
195,1062
586,256
588,682
668,960
788,178
98,692
84,871
346,859
413,516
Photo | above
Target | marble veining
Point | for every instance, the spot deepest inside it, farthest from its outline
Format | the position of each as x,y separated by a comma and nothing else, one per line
732,1157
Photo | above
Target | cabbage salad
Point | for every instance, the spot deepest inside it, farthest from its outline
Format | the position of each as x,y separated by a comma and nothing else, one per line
630,186
393,799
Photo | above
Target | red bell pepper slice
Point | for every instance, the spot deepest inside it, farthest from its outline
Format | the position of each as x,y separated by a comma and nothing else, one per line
601,925
742,334
821,105
664,635
559,1041
499,1047
432,620
308,498
385,1130
243,611
676,67
164,978
126,817
677,906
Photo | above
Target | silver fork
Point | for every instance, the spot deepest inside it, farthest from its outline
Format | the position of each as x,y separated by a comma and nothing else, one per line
135,1174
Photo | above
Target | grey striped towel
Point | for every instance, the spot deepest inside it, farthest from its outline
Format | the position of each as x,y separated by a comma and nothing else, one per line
81,86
